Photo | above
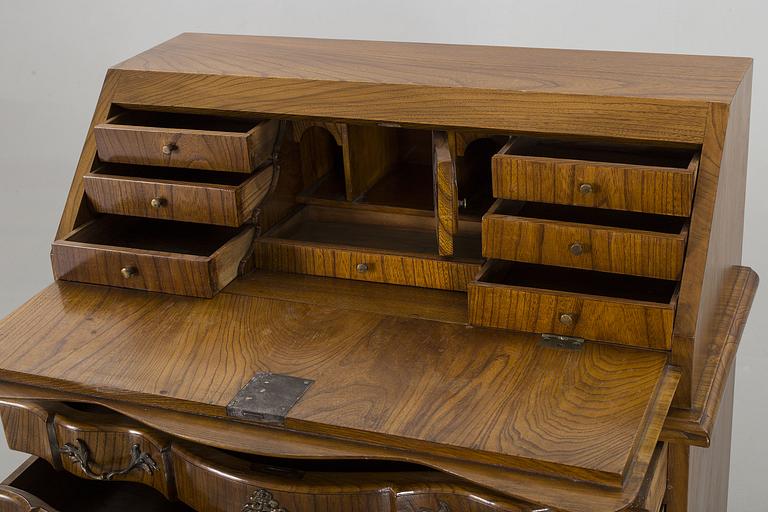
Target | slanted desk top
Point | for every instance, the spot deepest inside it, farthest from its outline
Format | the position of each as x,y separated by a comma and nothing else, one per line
515,272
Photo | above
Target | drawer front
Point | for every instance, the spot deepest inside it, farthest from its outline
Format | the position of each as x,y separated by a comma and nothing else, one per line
632,188
189,202
622,251
194,149
570,314
180,274
285,256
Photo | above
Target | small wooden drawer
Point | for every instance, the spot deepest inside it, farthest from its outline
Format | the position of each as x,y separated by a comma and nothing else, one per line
368,246
225,199
647,179
570,236
155,255
573,302
186,140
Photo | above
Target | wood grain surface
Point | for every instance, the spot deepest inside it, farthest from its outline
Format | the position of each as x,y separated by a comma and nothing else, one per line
446,193
17,500
187,201
637,188
602,248
26,428
505,428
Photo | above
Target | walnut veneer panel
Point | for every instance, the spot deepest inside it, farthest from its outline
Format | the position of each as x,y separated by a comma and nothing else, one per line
185,342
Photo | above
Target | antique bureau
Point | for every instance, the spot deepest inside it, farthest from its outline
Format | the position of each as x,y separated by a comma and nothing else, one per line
311,275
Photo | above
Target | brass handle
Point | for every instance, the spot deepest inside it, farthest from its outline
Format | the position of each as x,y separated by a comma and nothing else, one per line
81,455
576,249
157,202
169,148
129,272
568,318
261,500
586,188
362,267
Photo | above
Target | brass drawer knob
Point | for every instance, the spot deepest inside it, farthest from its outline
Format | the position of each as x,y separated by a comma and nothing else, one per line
568,318
586,188
157,202
576,249
362,267
129,272
169,148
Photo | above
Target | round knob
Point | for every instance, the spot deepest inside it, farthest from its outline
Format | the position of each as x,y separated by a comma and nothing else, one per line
169,148
586,188
576,249
129,272
568,318
157,202
362,267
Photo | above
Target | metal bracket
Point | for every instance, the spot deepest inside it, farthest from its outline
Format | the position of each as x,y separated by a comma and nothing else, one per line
563,342
268,397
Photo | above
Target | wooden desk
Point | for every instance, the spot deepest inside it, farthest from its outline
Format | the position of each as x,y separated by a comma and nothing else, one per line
308,275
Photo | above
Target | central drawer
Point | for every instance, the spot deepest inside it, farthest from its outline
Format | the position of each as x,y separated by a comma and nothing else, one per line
572,302
588,238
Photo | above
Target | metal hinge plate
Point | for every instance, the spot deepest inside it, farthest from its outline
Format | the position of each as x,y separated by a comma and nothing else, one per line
559,341
268,397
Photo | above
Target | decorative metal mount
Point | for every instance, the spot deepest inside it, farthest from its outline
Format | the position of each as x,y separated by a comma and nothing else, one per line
82,455
563,342
261,500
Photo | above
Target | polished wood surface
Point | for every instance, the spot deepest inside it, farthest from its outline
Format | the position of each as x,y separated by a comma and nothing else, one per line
511,234
177,197
124,140
446,194
338,359
573,179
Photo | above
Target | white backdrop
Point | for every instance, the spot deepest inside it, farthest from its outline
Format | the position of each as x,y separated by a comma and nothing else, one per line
53,56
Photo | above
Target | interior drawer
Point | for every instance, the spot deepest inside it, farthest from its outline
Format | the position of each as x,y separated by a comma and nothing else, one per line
185,140
570,236
614,176
368,246
573,302
155,255
226,199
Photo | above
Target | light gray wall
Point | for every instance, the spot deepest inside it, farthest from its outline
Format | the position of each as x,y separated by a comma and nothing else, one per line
53,56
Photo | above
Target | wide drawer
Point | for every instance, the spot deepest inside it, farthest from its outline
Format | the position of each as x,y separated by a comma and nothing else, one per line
620,242
186,140
573,302
368,246
620,177
155,255
226,199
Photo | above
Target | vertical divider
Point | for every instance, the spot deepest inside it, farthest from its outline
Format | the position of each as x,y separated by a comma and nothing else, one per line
446,192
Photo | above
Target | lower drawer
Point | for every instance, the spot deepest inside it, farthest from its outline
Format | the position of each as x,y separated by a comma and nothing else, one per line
573,302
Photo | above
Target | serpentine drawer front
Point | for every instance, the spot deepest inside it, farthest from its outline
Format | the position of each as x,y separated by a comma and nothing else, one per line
301,275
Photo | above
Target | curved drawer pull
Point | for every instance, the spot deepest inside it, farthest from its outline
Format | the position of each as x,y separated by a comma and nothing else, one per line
261,500
81,455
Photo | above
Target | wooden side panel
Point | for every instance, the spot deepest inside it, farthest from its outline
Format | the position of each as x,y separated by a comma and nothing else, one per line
286,256
632,188
26,428
603,319
621,251
369,153
446,193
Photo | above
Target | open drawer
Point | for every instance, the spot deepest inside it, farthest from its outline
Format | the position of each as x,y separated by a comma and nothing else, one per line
641,178
573,302
369,246
225,199
590,238
192,141
155,255
575,429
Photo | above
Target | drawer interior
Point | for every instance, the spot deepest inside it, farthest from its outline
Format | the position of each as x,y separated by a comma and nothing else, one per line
183,121
604,152
174,174
381,231
508,273
154,234
585,215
